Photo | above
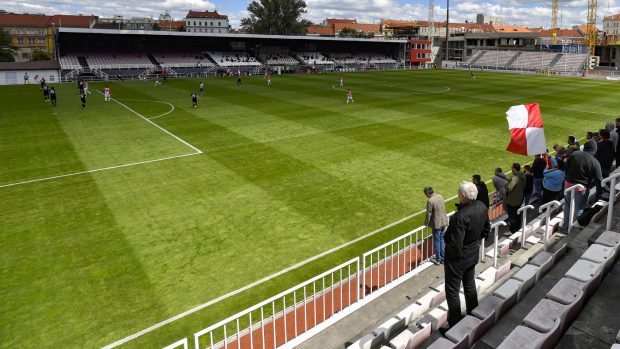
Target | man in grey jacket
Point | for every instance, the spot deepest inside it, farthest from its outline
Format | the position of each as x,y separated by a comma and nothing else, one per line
500,180
437,220
514,197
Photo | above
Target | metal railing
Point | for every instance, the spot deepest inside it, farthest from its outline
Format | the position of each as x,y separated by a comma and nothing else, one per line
310,303
612,196
495,227
524,225
390,261
547,208
571,191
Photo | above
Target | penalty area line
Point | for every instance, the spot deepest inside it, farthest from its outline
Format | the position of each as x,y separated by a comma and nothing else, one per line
95,170
198,151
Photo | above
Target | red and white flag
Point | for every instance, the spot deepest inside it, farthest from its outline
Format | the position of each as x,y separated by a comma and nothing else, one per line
527,136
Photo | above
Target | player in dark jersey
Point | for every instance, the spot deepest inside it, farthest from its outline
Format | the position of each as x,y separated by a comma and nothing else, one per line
42,83
81,86
46,93
83,99
53,96
239,80
194,99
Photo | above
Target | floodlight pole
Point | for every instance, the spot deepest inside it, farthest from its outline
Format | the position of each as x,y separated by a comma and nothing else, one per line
447,27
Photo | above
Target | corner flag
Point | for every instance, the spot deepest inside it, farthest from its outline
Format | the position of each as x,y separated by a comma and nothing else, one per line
527,136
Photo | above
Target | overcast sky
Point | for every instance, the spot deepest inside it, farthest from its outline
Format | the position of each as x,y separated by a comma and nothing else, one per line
527,12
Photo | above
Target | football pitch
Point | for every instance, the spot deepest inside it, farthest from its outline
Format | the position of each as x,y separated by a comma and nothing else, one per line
132,211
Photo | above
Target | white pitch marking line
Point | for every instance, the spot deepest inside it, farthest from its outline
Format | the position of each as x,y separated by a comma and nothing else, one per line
96,170
198,151
154,101
255,283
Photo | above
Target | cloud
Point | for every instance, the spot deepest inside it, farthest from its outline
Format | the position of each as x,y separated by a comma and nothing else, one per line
526,12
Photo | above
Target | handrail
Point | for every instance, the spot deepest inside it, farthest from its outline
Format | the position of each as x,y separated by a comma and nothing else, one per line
495,226
548,207
572,204
612,194
524,210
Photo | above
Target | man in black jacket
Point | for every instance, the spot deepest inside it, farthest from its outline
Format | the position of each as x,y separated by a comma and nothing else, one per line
483,191
581,168
462,246
605,152
538,167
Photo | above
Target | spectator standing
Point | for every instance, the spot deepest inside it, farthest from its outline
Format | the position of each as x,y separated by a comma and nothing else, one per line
467,227
553,183
537,171
618,145
581,168
437,220
529,185
483,191
514,197
500,180
573,145
605,153
613,135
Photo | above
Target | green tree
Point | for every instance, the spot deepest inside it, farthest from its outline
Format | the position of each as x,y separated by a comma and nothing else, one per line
281,17
39,55
7,49
347,32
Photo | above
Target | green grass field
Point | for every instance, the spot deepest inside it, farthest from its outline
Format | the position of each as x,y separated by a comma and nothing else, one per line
287,172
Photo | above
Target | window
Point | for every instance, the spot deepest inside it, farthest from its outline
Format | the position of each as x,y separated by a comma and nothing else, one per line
200,30
51,79
41,40
194,30
200,23
189,23
31,41
20,41
211,30
219,24
194,22
211,24
219,30
25,55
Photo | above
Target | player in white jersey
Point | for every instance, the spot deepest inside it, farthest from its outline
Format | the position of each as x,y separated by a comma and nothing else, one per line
350,96
268,79
157,83
86,91
106,94
341,80
202,88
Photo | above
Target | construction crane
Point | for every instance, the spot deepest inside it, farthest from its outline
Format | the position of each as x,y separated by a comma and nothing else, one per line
431,24
592,34
554,21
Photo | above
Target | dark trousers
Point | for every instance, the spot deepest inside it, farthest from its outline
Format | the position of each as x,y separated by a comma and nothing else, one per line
549,196
514,219
455,273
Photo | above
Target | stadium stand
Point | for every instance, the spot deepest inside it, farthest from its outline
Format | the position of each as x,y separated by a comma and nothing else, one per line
69,62
534,60
313,58
118,61
361,58
571,62
497,59
233,59
182,60
278,59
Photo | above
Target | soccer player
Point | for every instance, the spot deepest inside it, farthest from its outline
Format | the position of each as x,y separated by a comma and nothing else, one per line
46,93
202,88
83,99
42,83
194,99
341,80
473,76
269,79
106,94
86,91
26,78
81,85
350,96
157,83
239,80
53,96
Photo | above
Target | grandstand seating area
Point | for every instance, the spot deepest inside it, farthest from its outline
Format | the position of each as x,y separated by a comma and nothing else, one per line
571,62
361,58
278,59
233,59
182,60
560,62
534,60
69,62
498,59
118,61
313,58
